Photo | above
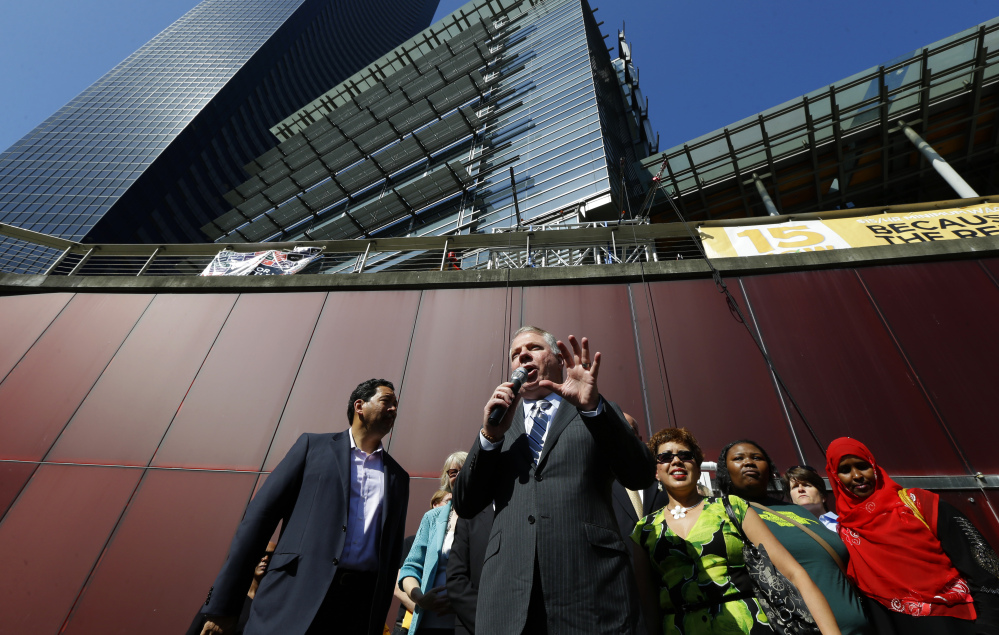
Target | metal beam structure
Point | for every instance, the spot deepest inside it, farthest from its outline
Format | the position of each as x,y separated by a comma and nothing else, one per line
834,148
943,168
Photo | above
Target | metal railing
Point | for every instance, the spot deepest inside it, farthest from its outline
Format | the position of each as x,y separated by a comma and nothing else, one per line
604,244
599,244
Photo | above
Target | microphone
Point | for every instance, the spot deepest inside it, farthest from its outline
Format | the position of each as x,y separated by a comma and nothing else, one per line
518,378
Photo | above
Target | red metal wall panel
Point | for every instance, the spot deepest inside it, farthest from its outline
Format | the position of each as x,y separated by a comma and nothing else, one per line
978,508
651,365
40,395
943,316
360,335
842,365
22,319
459,348
720,385
602,313
124,417
54,535
13,476
445,349
992,265
230,414
164,555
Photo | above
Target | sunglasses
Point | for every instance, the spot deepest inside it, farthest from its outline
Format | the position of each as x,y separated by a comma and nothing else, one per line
667,457
453,472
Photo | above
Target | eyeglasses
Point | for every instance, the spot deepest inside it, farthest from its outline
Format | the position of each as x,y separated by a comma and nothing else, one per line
667,457
802,467
453,472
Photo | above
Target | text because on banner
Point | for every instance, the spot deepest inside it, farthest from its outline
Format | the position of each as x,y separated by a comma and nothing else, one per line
845,233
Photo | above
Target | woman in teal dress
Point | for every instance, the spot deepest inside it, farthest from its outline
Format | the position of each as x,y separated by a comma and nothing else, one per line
691,574
746,470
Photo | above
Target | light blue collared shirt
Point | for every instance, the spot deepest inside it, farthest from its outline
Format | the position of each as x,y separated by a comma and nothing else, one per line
556,401
364,511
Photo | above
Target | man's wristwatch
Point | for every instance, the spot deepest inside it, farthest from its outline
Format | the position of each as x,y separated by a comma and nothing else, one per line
490,438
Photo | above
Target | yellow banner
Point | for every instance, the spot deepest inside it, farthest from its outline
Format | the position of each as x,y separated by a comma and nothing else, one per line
845,233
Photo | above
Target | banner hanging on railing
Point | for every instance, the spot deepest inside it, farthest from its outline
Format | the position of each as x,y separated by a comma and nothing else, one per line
845,233
262,263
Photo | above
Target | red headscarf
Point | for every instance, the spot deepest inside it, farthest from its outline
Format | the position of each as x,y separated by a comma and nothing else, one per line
894,558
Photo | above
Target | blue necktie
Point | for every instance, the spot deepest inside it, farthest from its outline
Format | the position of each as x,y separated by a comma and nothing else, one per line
541,419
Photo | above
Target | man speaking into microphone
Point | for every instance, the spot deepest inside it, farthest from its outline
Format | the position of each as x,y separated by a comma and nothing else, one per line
555,561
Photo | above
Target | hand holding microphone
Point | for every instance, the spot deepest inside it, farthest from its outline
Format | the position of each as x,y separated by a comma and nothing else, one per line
502,399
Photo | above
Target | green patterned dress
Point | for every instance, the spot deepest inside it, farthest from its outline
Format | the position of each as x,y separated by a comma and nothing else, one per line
703,584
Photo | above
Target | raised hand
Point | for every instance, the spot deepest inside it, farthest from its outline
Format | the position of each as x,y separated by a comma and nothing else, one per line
581,369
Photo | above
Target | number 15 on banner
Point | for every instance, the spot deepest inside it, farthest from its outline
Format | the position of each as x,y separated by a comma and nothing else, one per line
809,235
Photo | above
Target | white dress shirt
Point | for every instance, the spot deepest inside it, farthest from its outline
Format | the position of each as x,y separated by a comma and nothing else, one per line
556,401
364,511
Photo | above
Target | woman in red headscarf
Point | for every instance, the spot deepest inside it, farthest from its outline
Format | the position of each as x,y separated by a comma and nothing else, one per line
924,565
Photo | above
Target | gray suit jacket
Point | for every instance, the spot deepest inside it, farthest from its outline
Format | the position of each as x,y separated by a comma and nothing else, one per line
561,514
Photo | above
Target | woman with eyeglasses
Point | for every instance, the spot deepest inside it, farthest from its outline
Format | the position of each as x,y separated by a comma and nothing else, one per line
925,566
746,470
691,573
806,488
424,573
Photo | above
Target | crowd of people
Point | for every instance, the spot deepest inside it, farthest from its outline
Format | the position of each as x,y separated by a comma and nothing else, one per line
559,519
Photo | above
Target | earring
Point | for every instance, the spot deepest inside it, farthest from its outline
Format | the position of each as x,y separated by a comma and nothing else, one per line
659,485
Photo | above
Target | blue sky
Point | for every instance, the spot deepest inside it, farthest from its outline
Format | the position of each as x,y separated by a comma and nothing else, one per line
703,65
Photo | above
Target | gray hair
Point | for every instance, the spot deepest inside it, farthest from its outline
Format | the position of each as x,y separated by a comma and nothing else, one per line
548,337
456,459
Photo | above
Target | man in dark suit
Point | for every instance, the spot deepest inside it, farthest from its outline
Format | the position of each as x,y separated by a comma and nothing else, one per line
555,561
342,502
464,567
629,505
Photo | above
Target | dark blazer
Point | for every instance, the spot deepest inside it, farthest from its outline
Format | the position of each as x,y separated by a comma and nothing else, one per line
309,491
560,514
624,511
464,567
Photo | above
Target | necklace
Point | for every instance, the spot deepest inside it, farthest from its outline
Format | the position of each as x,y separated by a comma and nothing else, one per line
679,512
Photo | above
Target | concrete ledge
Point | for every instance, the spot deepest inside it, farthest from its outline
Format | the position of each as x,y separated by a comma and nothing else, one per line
590,274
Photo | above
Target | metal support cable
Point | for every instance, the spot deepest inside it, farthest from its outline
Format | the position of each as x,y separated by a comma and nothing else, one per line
734,306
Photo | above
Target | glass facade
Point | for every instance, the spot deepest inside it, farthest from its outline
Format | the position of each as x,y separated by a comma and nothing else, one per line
555,133
144,154
427,147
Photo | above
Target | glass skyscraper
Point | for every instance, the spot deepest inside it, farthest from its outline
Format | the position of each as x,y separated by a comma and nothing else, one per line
144,154
423,140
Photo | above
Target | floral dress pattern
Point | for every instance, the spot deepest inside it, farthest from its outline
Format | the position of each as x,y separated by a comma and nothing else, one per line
698,574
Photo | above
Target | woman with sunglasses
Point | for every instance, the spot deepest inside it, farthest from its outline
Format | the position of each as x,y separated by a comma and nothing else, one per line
746,470
924,565
691,573
806,488
424,573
